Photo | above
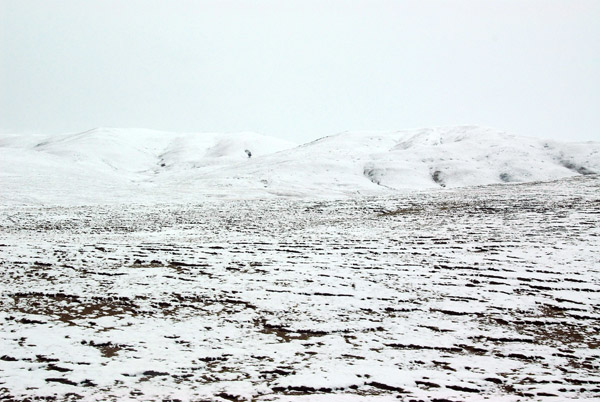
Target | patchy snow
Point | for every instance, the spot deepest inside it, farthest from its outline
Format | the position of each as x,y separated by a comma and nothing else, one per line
123,165
479,293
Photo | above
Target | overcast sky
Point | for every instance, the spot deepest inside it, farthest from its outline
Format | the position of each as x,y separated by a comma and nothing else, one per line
301,69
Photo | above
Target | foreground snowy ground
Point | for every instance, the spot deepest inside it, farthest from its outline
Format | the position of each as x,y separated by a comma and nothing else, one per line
474,293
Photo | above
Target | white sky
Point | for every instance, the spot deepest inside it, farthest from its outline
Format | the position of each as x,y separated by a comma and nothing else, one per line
301,69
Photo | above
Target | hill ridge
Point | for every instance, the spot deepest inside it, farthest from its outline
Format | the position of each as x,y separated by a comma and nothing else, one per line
106,165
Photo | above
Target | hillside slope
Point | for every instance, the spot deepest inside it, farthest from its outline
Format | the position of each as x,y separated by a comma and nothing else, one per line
133,165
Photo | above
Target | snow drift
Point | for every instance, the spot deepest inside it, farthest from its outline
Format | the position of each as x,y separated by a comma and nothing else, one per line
144,166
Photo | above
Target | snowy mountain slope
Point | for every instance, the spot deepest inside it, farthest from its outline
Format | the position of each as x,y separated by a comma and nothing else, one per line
123,165
140,150
113,165
379,163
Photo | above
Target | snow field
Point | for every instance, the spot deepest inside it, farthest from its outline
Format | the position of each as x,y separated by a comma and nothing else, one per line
480,293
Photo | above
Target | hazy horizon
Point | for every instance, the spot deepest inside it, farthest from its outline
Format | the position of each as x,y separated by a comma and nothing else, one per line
301,69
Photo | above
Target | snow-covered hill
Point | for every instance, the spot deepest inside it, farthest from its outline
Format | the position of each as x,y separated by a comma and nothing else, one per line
133,165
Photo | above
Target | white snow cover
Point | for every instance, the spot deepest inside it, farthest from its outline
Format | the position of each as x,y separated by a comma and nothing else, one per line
138,265
114,165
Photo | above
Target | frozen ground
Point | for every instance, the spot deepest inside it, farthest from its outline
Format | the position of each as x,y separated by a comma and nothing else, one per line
475,293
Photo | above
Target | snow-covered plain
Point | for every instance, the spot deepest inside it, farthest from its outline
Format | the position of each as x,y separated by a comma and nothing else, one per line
173,267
